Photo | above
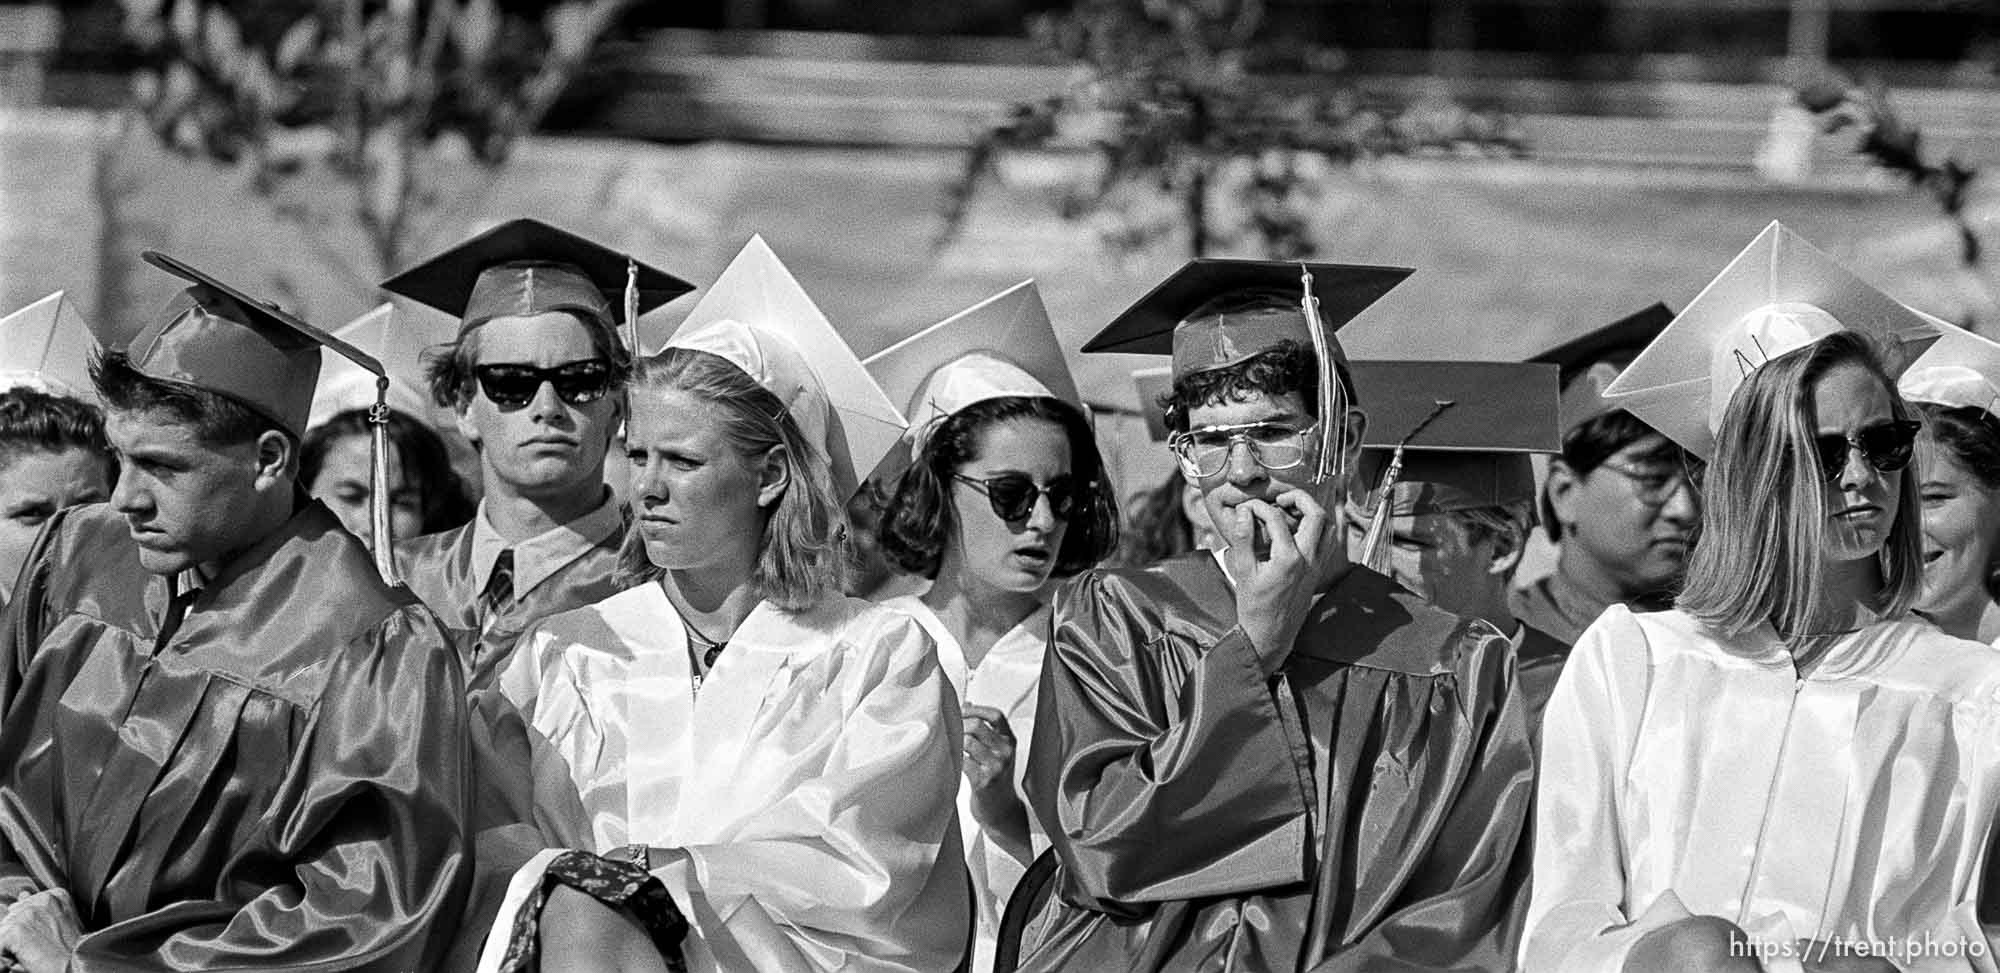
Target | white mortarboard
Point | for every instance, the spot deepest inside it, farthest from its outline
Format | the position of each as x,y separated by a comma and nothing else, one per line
1779,295
1154,384
1961,371
758,318
47,346
344,385
1001,347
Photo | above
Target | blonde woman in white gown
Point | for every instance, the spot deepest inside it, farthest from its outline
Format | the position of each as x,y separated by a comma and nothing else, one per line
1788,770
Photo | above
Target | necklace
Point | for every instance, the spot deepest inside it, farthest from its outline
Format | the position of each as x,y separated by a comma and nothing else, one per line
710,648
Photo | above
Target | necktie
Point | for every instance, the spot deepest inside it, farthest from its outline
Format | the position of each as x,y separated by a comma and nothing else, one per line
177,610
499,591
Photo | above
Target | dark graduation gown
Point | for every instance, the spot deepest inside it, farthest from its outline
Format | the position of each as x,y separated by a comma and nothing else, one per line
1538,663
438,567
1365,809
281,785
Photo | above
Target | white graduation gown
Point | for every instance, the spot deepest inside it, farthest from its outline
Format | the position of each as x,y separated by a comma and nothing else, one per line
807,782
1684,775
1007,680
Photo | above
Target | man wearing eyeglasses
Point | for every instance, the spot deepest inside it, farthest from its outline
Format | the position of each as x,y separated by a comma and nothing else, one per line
536,376
1619,502
1270,758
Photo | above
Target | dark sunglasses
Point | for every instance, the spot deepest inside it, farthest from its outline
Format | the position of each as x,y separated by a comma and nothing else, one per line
1013,495
1886,446
513,386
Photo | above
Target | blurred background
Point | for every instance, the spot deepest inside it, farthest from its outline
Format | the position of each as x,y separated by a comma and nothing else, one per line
1547,165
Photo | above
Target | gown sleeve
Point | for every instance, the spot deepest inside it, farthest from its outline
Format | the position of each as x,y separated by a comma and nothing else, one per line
847,858
1152,792
1577,916
21,630
366,859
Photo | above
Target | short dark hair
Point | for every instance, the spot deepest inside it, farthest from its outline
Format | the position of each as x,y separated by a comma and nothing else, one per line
32,420
445,501
1286,367
217,419
448,367
918,523
1589,443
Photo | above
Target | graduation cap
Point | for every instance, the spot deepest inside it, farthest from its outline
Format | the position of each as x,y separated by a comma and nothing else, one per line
1779,295
1961,371
1445,436
525,267
344,385
1154,386
1312,301
47,346
1001,347
758,318
1592,361
219,339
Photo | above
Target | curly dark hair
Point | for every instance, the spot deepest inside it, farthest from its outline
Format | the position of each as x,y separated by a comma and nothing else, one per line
1285,367
217,419
914,530
446,502
35,421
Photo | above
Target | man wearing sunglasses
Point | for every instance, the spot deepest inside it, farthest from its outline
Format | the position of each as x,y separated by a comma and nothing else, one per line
1268,758
536,376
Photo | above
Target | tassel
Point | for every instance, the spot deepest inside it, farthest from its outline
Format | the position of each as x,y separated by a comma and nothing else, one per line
1332,424
378,483
1375,540
632,306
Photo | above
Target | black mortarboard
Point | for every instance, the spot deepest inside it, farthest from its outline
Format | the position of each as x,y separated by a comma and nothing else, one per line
525,267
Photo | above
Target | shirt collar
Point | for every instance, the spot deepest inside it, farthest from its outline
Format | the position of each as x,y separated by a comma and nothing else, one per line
538,557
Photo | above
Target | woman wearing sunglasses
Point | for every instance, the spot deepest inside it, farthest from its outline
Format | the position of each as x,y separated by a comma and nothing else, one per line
1956,387
1788,770
737,767
1003,493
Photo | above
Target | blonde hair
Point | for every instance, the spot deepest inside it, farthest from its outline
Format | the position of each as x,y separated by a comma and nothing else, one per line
804,551
1755,564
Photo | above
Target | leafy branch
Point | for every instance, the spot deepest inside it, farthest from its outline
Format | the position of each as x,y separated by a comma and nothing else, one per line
1202,126
379,92
1895,145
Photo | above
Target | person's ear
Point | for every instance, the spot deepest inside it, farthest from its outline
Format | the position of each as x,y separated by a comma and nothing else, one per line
461,417
774,474
275,458
1562,488
1357,425
1507,551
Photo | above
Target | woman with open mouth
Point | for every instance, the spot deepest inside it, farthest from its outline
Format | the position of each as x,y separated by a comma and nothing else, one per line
1789,767
1004,492
1956,387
